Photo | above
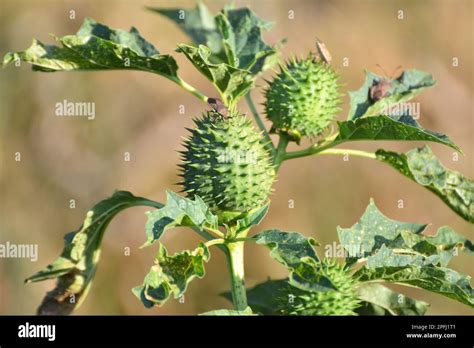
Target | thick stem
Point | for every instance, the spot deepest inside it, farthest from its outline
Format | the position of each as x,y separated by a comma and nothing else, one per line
235,259
280,152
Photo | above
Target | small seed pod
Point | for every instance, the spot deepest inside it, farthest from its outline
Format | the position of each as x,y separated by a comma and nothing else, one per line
226,164
303,98
342,301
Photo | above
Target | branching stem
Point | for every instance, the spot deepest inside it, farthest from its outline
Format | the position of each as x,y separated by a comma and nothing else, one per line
268,141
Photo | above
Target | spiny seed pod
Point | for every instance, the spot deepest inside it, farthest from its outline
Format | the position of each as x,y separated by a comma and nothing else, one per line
342,301
226,163
303,98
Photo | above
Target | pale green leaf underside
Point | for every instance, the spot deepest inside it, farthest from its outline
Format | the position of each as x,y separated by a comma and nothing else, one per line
233,36
422,166
76,266
178,211
297,253
171,275
382,127
407,86
380,300
97,47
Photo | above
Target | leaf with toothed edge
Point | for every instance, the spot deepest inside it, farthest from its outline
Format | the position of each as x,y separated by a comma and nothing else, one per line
296,253
234,36
171,275
97,47
178,211
231,82
422,166
372,231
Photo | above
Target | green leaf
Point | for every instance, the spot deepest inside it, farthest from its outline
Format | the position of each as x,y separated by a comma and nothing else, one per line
288,248
407,86
229,312
234,36
232,83
171,275
178,211
296,253
439,280
446,239
422,166
76,266
387,257
389,128
97,47
372,231
252,219
380,300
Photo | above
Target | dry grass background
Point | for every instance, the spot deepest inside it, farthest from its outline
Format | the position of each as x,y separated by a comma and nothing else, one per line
138,112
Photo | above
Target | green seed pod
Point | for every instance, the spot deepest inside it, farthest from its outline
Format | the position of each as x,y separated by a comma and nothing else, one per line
303,98
226,164
341,302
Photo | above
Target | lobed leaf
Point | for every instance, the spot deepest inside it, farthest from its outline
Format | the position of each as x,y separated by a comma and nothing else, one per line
380,300
389,128
408,85
76,266
372,231
231,82
97,47
422,166
436,279
233,36
296,253
178,211
171,275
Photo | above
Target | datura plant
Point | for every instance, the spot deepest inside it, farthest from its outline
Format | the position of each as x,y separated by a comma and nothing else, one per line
229,166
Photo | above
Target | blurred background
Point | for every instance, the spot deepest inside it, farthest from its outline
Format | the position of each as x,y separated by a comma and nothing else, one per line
73,158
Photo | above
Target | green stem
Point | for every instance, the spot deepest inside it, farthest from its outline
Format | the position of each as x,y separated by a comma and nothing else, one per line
280,153
235,260
216,232
214,242
269,144
189,88
343,152
312,150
